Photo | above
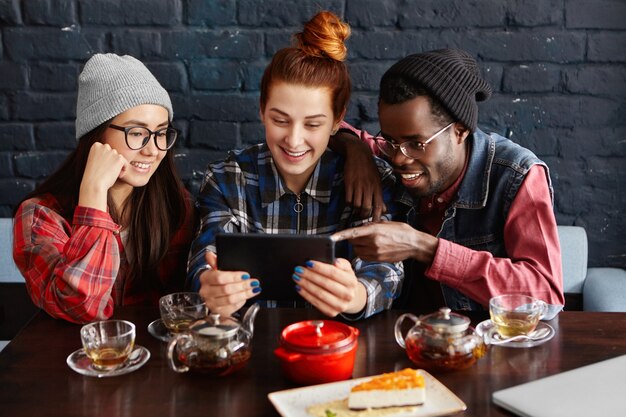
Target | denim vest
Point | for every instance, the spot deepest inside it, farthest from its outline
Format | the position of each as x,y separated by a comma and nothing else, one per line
495,172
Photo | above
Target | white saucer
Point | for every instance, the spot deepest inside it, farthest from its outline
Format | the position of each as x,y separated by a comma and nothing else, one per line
487,326
157,329
81,363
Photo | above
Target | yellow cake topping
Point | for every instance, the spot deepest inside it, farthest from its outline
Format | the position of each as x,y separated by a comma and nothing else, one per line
405,379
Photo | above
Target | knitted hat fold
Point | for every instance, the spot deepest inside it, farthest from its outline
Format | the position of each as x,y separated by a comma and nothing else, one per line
109,85
452,76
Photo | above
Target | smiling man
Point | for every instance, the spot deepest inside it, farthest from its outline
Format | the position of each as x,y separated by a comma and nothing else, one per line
478,219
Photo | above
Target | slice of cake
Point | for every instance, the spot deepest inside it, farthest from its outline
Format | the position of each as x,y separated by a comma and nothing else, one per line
395,389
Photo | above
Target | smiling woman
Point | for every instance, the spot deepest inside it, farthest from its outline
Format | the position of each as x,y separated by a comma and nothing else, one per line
298,122
113,224
294,184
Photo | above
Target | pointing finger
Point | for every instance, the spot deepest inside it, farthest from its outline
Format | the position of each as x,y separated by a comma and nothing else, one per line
351,233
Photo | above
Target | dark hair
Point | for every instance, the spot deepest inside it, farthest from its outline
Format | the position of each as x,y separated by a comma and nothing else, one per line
157,210
316,61
396,89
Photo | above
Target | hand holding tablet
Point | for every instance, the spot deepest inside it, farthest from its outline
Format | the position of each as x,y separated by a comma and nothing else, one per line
271,258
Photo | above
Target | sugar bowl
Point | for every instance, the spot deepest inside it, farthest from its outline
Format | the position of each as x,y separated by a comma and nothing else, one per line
440,341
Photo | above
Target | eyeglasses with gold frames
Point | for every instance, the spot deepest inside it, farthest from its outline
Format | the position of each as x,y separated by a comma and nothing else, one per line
413,149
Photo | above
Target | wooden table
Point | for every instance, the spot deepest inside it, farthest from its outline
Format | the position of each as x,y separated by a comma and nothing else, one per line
35,380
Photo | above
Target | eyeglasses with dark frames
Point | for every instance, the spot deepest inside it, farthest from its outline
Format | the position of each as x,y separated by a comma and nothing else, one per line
138,137
413,149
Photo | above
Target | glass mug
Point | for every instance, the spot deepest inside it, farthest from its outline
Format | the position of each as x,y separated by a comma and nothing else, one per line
108,343
515,314
180,309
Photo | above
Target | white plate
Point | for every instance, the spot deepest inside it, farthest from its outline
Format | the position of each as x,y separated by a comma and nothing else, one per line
157,329
485,326
81,363
440,401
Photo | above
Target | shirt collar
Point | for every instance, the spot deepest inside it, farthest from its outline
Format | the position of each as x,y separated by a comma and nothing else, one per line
474,189
318,187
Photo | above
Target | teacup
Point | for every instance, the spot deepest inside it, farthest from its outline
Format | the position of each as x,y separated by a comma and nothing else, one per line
180,309
515,314
108,343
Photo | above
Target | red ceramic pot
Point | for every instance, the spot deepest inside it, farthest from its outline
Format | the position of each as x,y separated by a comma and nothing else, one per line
317,351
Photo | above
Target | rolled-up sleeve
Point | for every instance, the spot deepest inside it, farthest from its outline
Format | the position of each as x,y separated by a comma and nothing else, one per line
382,281
69,269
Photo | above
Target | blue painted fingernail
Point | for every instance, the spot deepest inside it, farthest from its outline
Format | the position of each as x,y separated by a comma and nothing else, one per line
309,264
298,288
295,277
256,290
298,269
254,284
245,276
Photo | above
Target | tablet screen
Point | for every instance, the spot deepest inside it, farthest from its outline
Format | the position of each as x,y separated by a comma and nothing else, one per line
272,258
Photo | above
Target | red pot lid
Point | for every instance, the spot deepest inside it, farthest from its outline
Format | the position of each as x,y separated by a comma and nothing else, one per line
318,336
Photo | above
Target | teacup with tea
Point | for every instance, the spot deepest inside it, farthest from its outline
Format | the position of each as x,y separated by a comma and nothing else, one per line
180,309
515,314
108,344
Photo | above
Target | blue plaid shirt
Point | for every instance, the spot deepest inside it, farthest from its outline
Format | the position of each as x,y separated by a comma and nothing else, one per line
245,194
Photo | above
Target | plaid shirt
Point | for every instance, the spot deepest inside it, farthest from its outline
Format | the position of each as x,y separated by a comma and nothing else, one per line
75,268
245,194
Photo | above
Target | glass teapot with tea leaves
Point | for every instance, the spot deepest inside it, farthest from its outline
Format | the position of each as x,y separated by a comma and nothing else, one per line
214,345
440,341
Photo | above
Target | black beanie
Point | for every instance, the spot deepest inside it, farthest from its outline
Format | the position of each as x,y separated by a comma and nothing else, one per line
451,76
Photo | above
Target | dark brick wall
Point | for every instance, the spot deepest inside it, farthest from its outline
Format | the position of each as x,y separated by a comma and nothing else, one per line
557,67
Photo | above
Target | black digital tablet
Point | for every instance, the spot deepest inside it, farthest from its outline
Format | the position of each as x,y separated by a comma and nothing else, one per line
272,258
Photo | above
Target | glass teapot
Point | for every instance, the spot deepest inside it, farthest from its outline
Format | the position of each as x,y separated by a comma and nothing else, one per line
214,345
441,341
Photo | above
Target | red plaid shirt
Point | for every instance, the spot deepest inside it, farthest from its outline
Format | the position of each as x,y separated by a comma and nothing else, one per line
75,269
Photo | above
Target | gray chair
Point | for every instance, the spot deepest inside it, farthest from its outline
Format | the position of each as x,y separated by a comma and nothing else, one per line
601,289
16,307
8,270
605,290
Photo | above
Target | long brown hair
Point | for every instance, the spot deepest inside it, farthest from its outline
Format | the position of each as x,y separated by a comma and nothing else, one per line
157,209
315,61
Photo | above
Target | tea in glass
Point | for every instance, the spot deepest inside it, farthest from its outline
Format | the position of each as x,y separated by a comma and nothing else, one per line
107,358
515,314
213,363
108,343
180,309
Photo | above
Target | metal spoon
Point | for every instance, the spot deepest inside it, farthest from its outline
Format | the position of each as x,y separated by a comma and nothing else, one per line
536,334
132,358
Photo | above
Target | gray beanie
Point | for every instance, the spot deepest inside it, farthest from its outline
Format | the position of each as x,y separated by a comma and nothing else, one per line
111,84
451,75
